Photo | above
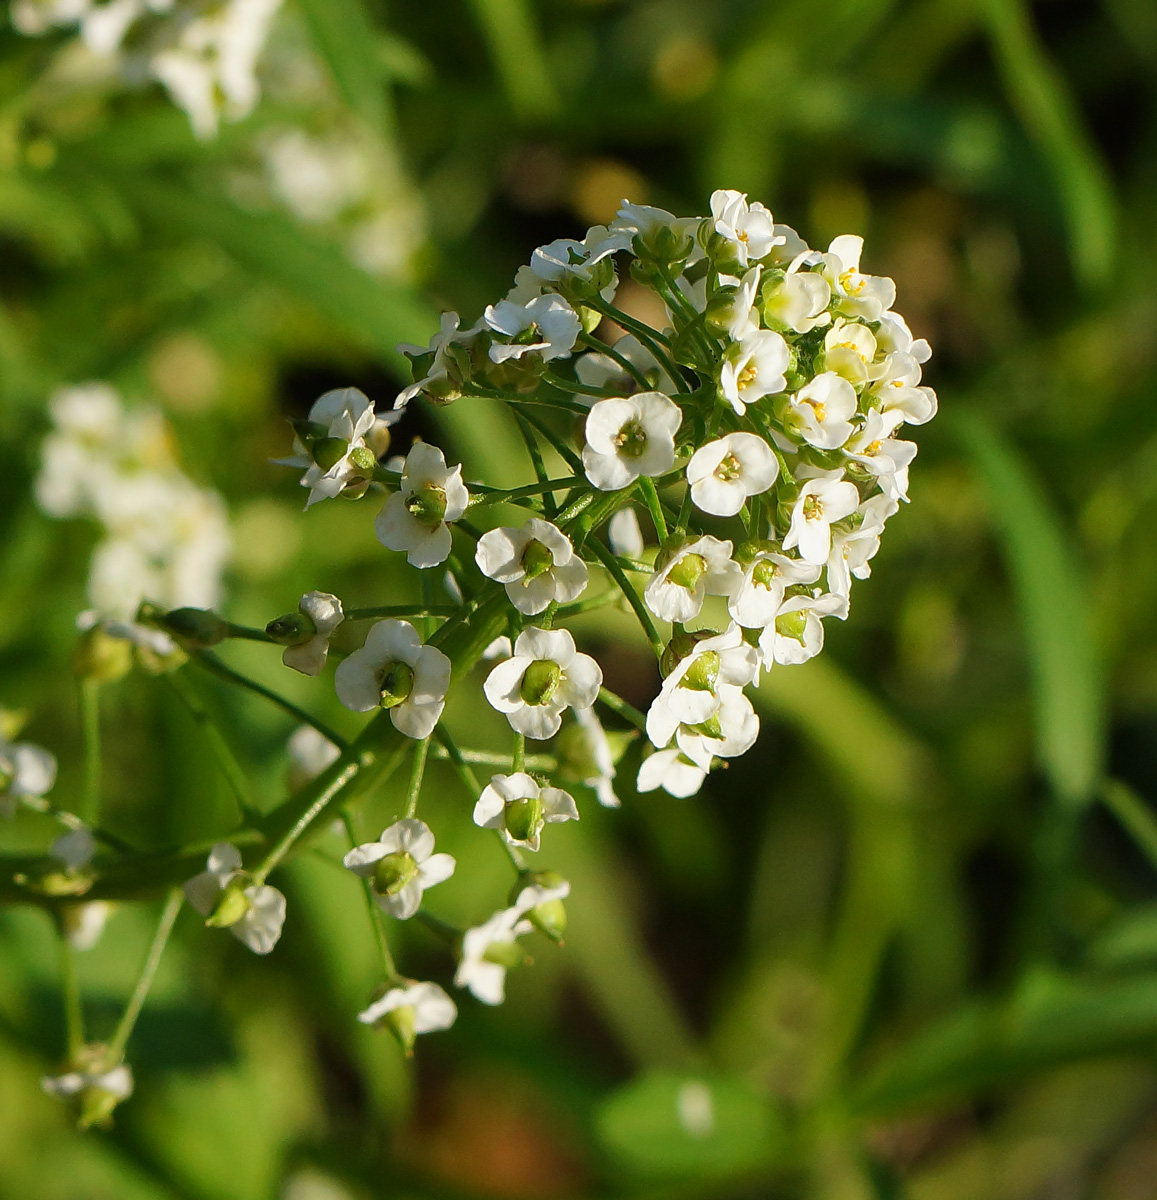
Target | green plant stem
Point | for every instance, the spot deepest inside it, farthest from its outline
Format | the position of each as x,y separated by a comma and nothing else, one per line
70,986
444,930
417,772
518,757
71,821
651,338
651,497
572,406
210,662
513,495
372,910
247,633
226,760
124,1029
536,460
560,447
90,720
1134,814
401,611
627,711
633,598
489,758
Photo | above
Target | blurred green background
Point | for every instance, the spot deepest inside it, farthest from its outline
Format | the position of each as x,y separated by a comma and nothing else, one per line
907,947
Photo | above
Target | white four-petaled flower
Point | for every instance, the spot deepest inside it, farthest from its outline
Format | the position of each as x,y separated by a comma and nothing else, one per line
630,436
415,518
698,569
258,910
400,865
725,472
537,563
325,612
518,807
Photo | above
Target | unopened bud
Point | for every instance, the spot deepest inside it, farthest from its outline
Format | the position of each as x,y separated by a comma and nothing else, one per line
101,658
540,681
397,684
195,626
231,906
505,954
96,1106
293,629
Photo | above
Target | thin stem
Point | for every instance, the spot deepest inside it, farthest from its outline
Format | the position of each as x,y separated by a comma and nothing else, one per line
1134,814
518,757
211,663
566,611
90,719
513,495
623,361
73,1011
404,611
627,711
489,758
651,338
654,507
226,760
71,821
569,405
579,389
536,460
116,1045
441,929
633,598
247,633
417,771
372,909
568,456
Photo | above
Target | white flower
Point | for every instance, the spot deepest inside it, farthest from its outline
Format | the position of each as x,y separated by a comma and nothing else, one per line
725,472
74,849
691,691
853,549
98,1087
797,633
700,568
537,563
865,296
325,611
823,500
25,770
740,317
650,225
599,760
546,326
545,676
565,259
518,808
84,923
749,227
672,771
876,453
624,533
488,950
415,519
850,350
442,346
417,1008
730,731
896,388
766,577
341,419
753,367
310,753
893,335
629,437
394,671
821,412
798,301
400,865
254,914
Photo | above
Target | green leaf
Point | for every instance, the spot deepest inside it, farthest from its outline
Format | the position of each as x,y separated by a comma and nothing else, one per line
514,42
675,1124
1052,597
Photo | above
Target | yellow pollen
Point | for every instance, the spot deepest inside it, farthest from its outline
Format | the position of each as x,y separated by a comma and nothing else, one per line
747,376
813,509
729,469
874,448
819,410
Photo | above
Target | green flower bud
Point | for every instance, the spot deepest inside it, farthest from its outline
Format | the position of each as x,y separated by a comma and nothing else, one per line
397,684
687,572
427,505
393,872
505,954
195,626
536,559
328,451
703,673
549,918
293,629
541,680
719,307
100,658
679,647
231,906
792,624
524,818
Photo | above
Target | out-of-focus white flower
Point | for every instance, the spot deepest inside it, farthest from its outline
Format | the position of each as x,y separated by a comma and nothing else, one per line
725,472
624,534
822,500
629,437
394,671
416,518
253,913
596,757
74,849
546,326
25,770
400,866
324,611
84,923
517,807
98,1086
698,569
753,367
545,676
672,771
604,372
310,753
488,951
537,564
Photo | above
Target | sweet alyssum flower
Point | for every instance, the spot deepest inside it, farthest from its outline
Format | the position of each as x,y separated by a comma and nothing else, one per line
629,437
411,1010
766,576
753,367
537,563
547,326
400,866
545,676
25,771
725,472
307,632
252,912
517,807
415,518
394,671
820,413
749,227
97,1085
698,569
797,633
488,951
330,445
823,499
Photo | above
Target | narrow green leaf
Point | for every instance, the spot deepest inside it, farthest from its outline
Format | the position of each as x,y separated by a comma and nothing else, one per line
1054,607
509,29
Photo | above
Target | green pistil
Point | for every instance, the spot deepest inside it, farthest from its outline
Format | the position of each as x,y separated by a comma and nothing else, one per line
393,872
524,818
764,574
687,572
703,673
631,440
427,505
540,682
792,624
397,684
536,560
328,451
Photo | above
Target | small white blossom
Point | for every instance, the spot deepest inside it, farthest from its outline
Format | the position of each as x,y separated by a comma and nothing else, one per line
730,730
850,350
442,347
259,908
342,419
537,564
749,227
401,865
310,753
325,611
797,633
624,533
599,775
822,501
691,691
546,326
700,568
853,549
518,807
896,387
876,453
415,519
821,412
25,770
488,950
394,671
725,472
629,437
798,301
545,676
84,923
672,771
766,577
430,1008
753,367
865,296
98,1087
602,372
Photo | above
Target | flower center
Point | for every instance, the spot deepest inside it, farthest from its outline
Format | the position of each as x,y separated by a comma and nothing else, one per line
504,954
397,684
729,469
872,449
231,906
393,872
792,624
813,509
746,377
540,681
536,560
631,439
819,410
523,818
703,673
427,505
687,572
764,573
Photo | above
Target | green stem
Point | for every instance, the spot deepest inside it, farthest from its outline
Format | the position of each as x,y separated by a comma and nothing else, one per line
210,662
654,507
627,711
579,389
401,611
90,718
488,758
560,447
417,772
1134,814
441,929
120,1037
536,459
246,633
73,1011
651,338
513,495
633,598
518,757
373,911
226,760
568,405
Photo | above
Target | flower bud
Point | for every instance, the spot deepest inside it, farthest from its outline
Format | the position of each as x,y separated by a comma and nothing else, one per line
293,629
195,626
364,459
231,906
101,658
397,684
96,1106
540,681
393,872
